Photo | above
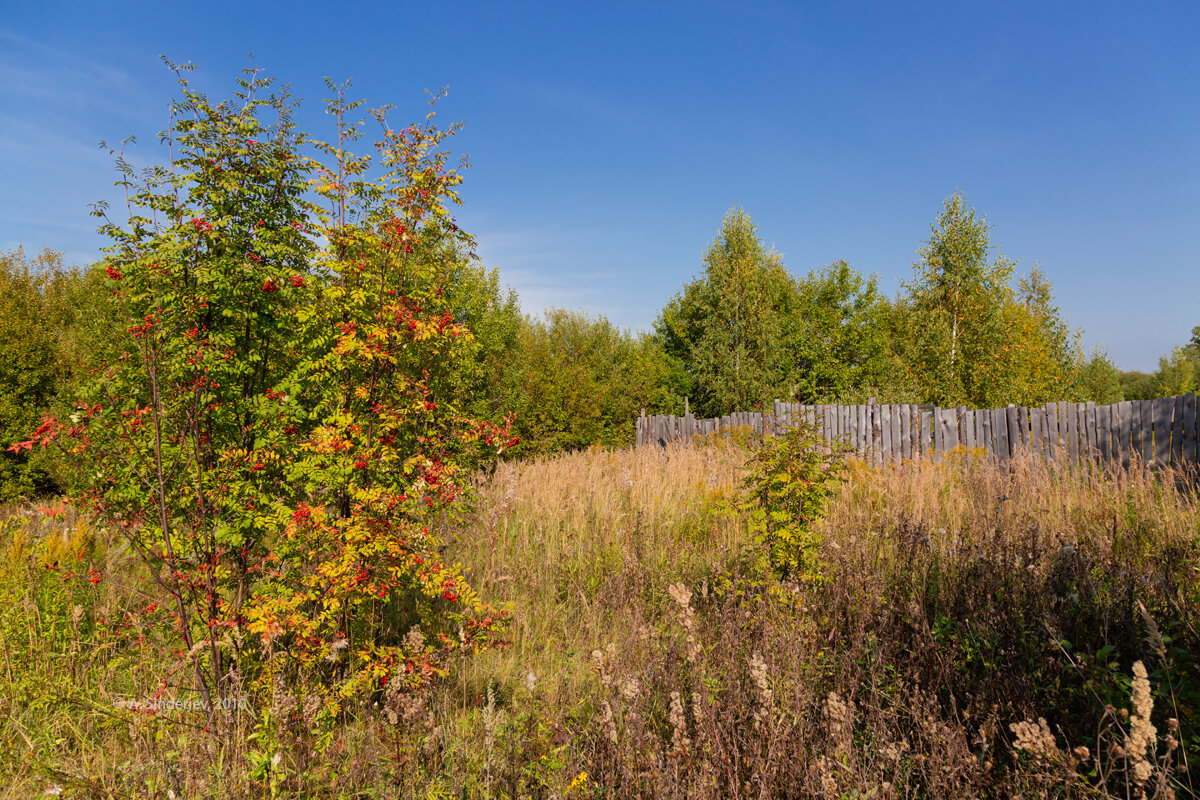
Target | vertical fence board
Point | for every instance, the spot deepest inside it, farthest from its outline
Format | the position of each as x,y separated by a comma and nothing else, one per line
877,434
884,445
1122,431
1124,438
897,432
1081,447
984,432
1026,434
1190,433
926,432
1103,435
949,429
874,430
867,429
939,434
1164,410
1037,436
906,431
1066,431
1051,431
1000,429
1133,433
918,432
891,439
1147,431
1177,431
1093,444
1195,427
1087,433
1012,428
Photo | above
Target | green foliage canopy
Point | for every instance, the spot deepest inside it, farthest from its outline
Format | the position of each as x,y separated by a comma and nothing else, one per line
726,329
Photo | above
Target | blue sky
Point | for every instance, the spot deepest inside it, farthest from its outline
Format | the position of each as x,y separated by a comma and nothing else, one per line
608,140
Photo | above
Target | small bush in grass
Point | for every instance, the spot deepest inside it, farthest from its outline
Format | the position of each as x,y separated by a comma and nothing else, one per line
791,480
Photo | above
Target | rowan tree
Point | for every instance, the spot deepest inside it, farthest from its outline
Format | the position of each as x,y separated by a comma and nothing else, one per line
272,431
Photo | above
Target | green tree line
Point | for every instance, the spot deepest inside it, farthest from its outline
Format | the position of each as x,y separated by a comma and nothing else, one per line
966,328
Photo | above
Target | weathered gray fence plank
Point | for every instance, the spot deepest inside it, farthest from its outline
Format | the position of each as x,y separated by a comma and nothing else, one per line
894,444
884,445
1125,411
949,429
939,434
1000,428
1052,446
1103,433
1164,410
1177,431
1067,422
926,435
1093,445
1013,430
1147,431
1037,436
1190,433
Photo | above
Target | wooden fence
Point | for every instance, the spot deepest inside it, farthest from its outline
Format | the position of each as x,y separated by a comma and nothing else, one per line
1162,431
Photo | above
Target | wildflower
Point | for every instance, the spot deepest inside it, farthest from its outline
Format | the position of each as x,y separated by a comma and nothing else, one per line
1035,739
766,697
1142,733
679,737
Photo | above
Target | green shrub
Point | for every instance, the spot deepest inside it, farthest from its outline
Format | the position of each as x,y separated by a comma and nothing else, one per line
791,479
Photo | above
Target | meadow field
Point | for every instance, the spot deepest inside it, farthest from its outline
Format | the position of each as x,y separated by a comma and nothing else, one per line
965,631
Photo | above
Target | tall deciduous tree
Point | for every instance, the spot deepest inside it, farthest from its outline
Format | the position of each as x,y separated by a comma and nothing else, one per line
1039,356
575,381
726,329
1178,373
28,357
1100,380
836,335
956,301
278,421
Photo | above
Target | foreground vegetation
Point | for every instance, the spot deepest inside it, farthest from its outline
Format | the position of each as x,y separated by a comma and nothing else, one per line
271,575
961,632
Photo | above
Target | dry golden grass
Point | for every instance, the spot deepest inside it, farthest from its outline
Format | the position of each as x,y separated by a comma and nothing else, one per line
974,634
571,542
662,650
